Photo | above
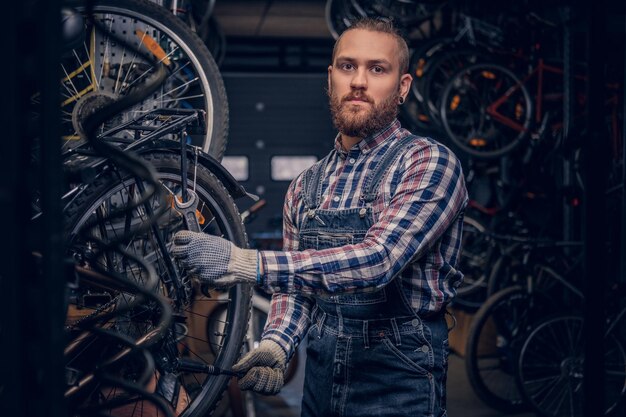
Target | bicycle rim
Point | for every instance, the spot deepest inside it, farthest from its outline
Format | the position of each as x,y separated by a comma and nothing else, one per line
339,15
471,118
551,368
438,71
187,345
101,70
419,60
474,257
493,346
404,13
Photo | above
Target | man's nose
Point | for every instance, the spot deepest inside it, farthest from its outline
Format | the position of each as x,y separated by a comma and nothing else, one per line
359,79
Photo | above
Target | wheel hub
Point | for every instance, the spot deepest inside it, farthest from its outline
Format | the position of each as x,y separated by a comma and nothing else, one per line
88,105
572,367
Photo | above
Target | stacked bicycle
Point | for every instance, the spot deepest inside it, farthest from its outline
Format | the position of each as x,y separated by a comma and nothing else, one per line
99,69
145,120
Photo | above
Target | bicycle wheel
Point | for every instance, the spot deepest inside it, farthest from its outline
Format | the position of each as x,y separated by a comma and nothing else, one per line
550,373
405,13
339,15
495,338
101,70
420,56
187,349
215,39
437,72
485,110
258,318
474,261
507,271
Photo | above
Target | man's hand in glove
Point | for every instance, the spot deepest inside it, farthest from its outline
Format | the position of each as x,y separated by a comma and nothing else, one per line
215,261
264,368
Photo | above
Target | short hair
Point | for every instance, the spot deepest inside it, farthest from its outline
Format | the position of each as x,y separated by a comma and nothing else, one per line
382,26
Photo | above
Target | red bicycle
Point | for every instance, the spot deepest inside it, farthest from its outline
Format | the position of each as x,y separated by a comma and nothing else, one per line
488,111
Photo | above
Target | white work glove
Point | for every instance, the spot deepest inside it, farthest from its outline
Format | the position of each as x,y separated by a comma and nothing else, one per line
264,368
213,260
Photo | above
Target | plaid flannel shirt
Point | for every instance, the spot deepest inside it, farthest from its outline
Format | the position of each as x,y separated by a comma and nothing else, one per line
418,222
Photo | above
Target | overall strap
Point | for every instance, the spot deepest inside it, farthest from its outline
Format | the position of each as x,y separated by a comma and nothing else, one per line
370,189
312,183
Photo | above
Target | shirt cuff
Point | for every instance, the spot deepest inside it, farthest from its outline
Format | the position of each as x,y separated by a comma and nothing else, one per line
283,340
277,273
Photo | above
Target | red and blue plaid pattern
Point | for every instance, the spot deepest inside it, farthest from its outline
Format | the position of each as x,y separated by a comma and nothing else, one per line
416,236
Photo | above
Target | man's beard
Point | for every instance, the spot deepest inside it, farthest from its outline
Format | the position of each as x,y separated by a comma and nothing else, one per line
358,122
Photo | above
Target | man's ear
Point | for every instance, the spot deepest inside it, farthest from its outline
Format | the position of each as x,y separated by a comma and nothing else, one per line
405,84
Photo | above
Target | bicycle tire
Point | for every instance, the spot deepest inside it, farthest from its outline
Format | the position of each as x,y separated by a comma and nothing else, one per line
339,15
474,261
464,109
437,72
215,40
405,14
258,318
99,71
218,215
506,272
493,344
550,368
419,59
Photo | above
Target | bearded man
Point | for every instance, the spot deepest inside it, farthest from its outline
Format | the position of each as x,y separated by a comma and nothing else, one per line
371,239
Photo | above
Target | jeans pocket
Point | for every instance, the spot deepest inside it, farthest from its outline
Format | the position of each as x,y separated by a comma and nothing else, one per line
417,358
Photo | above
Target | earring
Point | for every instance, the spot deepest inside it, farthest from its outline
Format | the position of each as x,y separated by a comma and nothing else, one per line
401,100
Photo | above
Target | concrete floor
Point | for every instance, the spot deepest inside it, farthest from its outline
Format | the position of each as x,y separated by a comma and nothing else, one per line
461,399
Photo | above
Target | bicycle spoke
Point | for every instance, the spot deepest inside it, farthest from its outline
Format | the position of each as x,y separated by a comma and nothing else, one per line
83,67
180,87
177,99
126,75
152,67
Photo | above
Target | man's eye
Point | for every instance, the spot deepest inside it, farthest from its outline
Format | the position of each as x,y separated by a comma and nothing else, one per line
346,66
378,70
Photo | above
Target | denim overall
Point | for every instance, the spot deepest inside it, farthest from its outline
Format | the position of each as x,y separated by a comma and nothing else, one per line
368,353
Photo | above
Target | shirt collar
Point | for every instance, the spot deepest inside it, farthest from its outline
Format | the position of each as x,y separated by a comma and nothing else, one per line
371,141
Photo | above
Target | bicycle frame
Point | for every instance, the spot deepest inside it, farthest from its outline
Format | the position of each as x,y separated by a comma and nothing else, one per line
149,138
539,72
82,161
